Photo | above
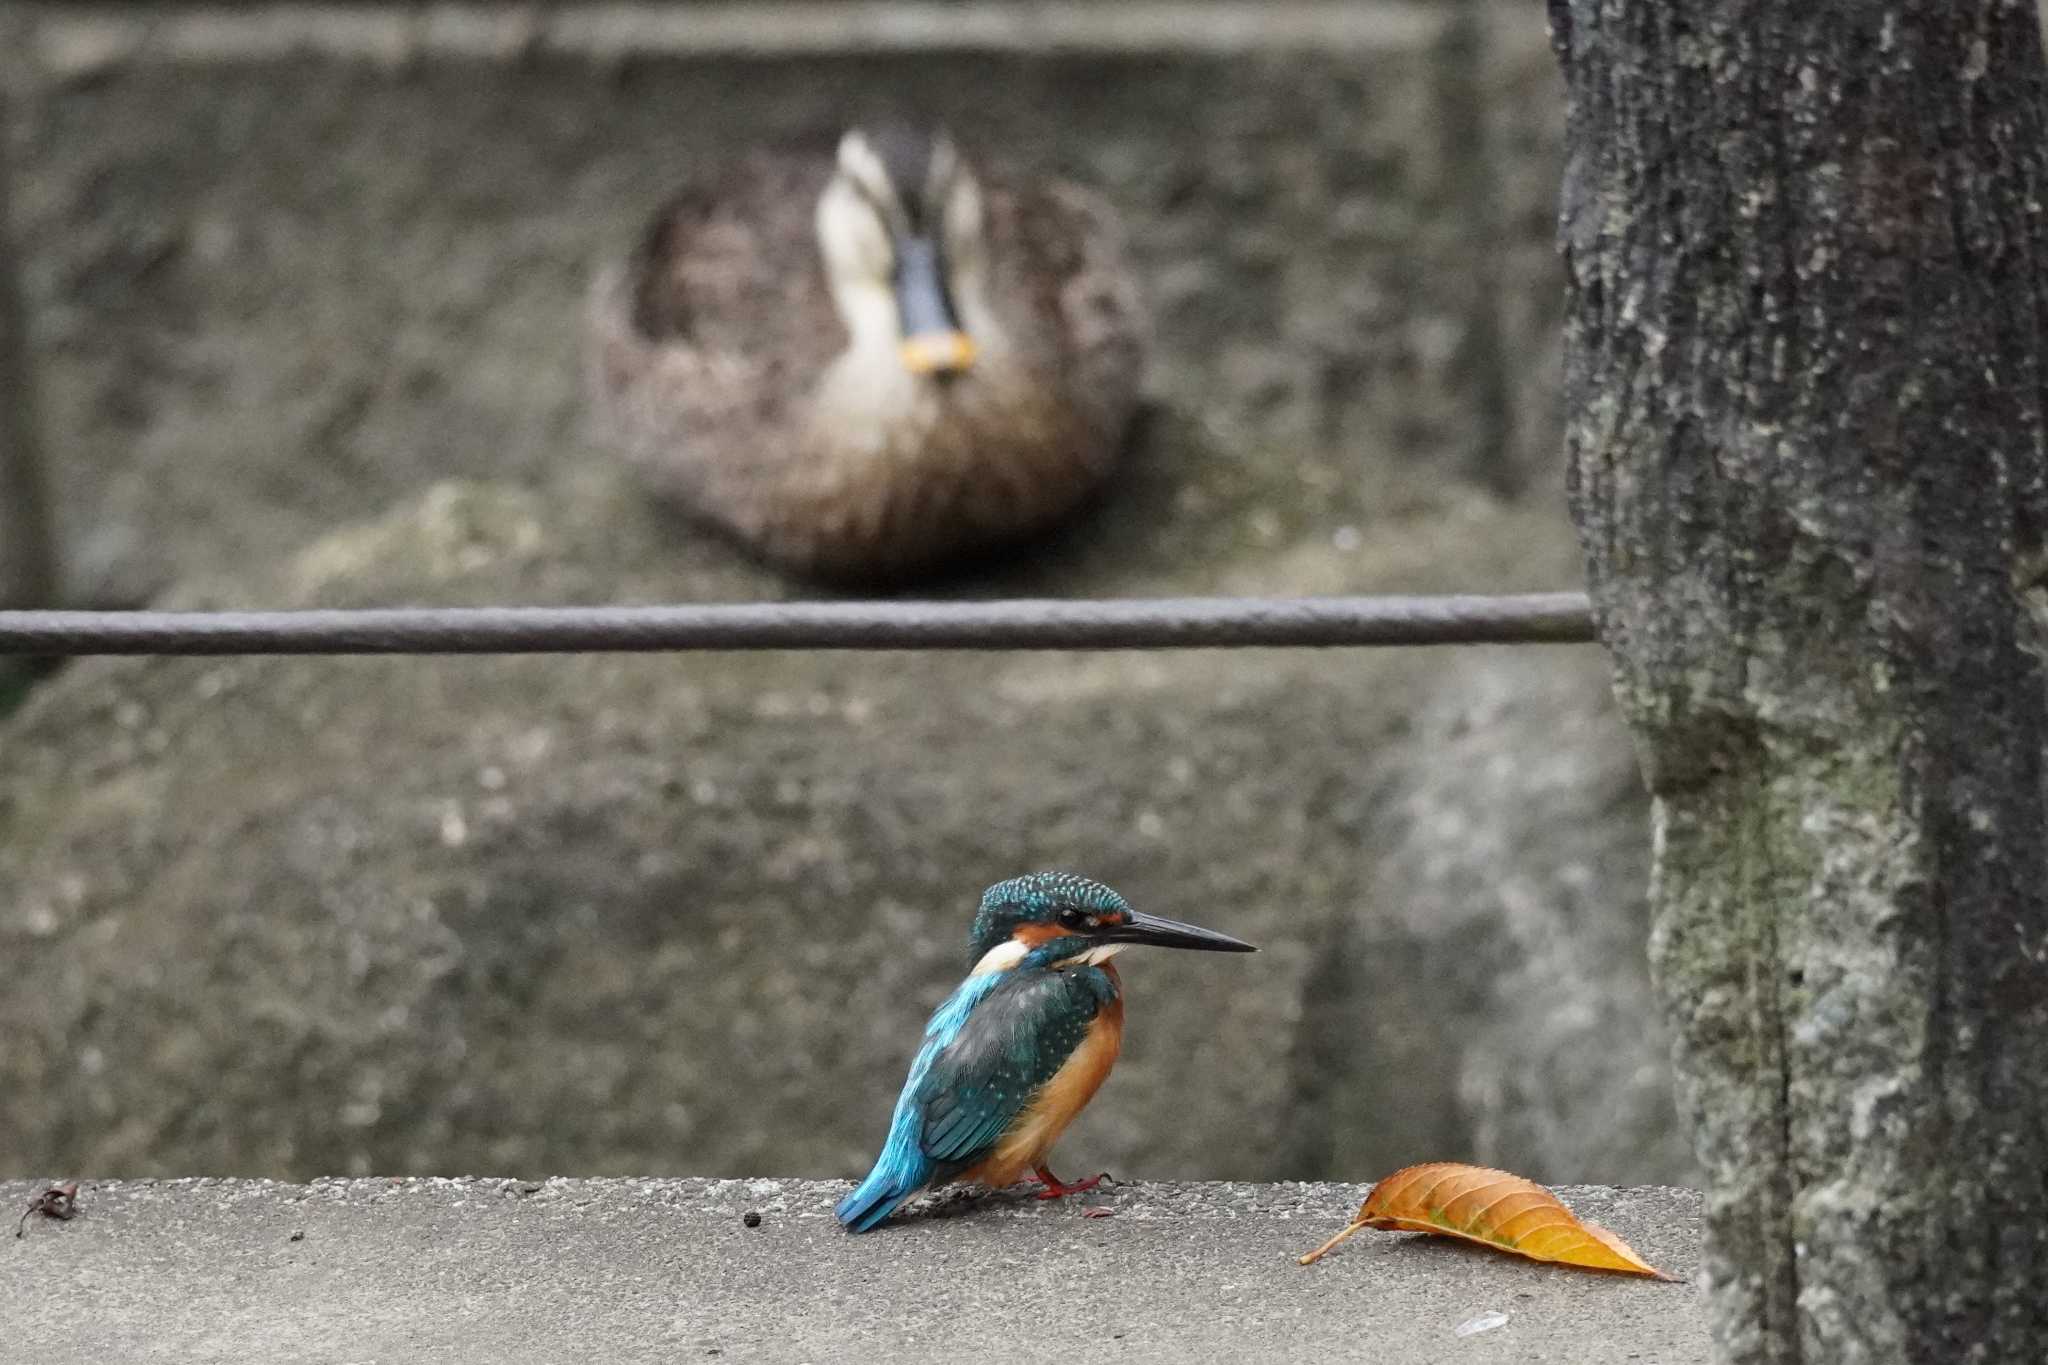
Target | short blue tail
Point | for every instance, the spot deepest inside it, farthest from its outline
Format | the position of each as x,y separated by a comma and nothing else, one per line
873,1199
903,1169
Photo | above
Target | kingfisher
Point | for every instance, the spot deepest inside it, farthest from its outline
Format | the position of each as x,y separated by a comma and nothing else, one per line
1021,1046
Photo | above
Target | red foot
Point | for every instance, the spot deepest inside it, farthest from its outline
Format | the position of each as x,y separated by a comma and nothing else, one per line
1055,1189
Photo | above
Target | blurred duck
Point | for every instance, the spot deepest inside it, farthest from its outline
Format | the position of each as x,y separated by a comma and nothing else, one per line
866,365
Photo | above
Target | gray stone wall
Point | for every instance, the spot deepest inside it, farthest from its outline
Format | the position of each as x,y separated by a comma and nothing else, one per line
307,330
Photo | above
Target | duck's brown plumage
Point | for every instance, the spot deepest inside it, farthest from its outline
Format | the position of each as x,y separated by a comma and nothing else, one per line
709,341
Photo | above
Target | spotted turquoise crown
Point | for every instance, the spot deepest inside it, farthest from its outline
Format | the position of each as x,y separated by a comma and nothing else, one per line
1037,897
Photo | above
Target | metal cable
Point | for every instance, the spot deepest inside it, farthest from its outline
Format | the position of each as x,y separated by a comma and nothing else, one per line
1132,623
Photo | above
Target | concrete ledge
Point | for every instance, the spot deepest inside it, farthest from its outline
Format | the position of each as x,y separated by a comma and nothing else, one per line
430,1270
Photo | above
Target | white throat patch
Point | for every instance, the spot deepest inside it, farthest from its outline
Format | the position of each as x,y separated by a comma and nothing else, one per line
1005,956
1001,958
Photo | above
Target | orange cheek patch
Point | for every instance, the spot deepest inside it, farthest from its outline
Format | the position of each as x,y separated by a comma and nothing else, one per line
1032,935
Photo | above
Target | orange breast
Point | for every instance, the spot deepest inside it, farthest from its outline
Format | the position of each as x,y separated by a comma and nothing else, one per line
1056,1104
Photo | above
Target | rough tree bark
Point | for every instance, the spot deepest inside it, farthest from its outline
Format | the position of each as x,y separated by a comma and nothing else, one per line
1805,250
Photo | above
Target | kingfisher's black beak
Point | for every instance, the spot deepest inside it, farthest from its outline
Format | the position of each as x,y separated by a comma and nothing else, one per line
1170,933
932,340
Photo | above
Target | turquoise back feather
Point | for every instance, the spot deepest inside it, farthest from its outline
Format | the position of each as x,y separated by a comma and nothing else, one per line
987,1052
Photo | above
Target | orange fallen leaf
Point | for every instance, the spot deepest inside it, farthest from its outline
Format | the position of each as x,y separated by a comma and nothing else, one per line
1494,1209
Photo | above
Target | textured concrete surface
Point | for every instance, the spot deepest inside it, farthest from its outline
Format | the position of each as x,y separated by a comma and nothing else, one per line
378,1272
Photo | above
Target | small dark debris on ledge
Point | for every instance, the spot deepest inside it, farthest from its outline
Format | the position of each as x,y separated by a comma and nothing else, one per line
59,1202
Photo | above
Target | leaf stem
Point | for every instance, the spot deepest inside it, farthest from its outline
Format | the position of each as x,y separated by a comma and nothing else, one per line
1326,1247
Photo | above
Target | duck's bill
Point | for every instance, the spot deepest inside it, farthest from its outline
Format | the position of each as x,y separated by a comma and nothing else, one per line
932,340
1170,933
938,353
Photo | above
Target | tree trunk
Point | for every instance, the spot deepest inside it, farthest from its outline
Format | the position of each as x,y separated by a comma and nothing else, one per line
28,551
1805,355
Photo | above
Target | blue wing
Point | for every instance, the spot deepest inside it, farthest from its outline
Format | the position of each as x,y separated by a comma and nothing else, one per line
903,1169
987,1051
1013,1043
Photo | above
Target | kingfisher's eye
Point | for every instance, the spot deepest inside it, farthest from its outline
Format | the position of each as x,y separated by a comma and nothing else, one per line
1071,918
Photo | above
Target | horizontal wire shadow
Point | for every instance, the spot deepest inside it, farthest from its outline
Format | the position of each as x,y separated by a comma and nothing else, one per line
1126,623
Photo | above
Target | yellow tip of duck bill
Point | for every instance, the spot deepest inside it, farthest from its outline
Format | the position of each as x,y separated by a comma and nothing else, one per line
938,353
